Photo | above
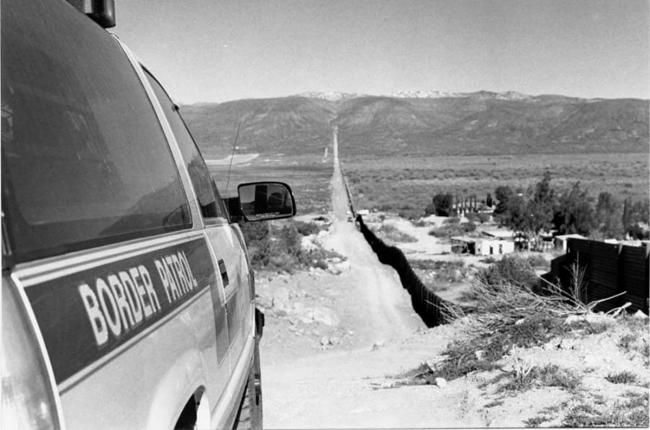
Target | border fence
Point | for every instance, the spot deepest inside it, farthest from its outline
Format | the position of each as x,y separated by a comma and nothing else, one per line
431,308
604,270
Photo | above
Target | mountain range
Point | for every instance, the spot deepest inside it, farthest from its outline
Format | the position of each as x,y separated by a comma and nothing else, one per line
422,123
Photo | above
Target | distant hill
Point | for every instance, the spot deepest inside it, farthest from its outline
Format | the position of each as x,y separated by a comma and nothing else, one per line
423,124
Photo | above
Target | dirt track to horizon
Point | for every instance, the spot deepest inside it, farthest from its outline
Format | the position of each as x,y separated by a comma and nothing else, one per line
334,387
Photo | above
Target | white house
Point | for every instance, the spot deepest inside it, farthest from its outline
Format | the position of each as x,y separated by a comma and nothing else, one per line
481,246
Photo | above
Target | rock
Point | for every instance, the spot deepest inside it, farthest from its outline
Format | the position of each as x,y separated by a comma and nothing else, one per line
377,345
343,266
520,321
298,307
479,354
324,341
325,316
264,302
573,318
441,382
280,298
334,340
307,243
639,314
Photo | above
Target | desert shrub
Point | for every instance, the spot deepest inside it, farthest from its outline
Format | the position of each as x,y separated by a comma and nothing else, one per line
483,217
452,220
553,375
439,232
511,269
278,246
307,228
472,217
494,340
257,237
468,227
537,260
623,377
452,227
447,271
419,223
394,234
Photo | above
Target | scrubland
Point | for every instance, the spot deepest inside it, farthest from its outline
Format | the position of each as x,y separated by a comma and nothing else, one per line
407,184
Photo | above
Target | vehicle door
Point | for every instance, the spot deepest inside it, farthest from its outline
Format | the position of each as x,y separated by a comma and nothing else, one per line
228,252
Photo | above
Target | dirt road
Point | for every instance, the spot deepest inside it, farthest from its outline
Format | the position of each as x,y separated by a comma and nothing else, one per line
334,387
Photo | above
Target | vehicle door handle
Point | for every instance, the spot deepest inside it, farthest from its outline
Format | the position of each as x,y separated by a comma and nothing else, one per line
224,273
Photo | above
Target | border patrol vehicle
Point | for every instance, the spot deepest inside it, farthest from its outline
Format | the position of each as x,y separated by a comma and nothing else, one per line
127,296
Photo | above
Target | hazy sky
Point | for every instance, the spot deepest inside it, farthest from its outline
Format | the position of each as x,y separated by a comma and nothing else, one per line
208,50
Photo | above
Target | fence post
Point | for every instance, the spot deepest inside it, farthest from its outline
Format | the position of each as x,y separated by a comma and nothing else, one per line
620,270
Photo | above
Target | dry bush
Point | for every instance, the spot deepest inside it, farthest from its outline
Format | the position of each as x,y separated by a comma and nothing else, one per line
393,234
277,246
511,269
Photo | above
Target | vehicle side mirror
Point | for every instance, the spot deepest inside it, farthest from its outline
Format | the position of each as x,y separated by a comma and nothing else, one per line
263,201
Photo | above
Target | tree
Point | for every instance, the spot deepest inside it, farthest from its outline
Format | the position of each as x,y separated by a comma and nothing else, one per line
608,215
637,220
540,207
442,204
515,215
503,194
639,212
574,213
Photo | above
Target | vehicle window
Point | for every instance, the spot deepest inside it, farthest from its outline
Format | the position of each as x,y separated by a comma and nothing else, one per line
84,159
204,186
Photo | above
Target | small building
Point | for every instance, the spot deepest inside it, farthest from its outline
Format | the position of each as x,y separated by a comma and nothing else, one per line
481,246
560,241
463,245
494,247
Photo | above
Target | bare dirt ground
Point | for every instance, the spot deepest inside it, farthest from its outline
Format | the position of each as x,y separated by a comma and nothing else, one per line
329,337
338,344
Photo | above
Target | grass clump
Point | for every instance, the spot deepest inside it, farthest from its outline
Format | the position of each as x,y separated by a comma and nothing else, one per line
550,375
632,412
537,421
624,377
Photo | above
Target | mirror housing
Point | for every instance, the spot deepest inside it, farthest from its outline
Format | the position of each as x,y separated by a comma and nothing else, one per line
263,201
100,11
